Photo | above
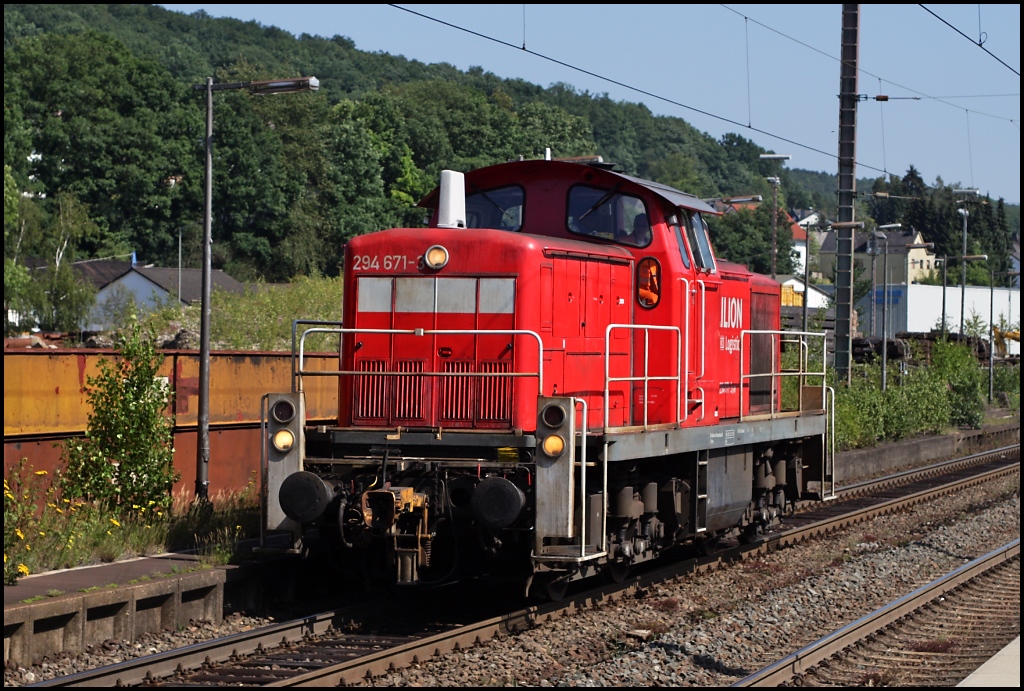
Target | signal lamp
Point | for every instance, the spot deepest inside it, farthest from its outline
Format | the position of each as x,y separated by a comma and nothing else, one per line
553,445
436,257
283,440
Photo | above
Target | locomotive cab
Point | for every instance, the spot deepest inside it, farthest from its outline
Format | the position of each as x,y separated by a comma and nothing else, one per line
555,378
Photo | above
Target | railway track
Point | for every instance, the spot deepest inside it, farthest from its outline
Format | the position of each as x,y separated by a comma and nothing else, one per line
331,648
934,636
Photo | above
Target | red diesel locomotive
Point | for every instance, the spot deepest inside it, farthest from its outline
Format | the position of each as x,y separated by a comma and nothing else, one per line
555,378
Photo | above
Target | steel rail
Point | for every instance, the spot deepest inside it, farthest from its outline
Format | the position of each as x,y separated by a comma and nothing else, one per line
811,655
828,524
139,670
913,474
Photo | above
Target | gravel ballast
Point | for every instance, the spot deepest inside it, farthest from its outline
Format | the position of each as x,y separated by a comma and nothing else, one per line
706,629
714,629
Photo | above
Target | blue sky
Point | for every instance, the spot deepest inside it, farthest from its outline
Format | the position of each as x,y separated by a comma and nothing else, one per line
767,72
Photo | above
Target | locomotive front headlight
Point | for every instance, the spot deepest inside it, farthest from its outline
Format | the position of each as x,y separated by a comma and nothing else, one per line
283,440
436,257
553,445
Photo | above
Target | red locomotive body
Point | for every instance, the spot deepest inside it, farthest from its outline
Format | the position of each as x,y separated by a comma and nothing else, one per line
552,377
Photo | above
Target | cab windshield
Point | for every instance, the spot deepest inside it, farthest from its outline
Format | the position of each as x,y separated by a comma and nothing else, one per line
500,208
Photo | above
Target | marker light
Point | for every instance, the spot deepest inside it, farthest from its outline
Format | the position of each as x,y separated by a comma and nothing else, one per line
553,445
553,416
283,411
436,257
283,440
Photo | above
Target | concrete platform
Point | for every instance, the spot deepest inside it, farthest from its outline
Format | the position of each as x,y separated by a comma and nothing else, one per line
1002,670
68,610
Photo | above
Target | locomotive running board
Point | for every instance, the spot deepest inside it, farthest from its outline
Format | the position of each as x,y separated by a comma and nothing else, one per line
654,444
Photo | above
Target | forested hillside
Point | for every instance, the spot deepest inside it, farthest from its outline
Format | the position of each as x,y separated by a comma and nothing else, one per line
103,145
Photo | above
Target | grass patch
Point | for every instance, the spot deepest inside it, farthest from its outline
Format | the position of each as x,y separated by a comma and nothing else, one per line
45,531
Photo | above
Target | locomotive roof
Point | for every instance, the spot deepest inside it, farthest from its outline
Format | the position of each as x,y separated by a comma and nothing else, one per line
670,194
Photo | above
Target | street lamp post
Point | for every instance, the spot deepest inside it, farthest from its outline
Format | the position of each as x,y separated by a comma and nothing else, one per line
963,253
944,258
775,207
278,86
992,327
885,309
874,254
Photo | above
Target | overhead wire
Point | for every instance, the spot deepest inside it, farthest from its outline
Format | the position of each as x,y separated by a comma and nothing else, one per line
868,73
749,125
630,87
978,43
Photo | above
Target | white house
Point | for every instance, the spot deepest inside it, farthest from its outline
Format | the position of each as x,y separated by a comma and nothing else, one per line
121,284
815,296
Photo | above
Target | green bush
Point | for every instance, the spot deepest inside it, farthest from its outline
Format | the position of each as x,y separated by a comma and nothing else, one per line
126,457
949,392
956,365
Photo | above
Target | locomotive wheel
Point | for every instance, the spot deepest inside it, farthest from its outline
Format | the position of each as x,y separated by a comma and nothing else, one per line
617,571
709,546
556,589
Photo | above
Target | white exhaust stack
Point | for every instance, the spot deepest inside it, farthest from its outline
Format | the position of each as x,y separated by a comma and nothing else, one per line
451,207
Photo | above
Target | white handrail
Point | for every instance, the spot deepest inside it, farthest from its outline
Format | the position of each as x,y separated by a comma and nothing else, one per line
801,371
583,479
427,332
685,397
703,327
608,379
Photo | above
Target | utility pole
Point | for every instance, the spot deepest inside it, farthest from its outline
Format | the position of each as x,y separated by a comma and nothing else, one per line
846,225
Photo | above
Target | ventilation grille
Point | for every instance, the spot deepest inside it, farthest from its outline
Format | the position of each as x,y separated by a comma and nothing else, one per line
371,394
456,403
408,391
496,392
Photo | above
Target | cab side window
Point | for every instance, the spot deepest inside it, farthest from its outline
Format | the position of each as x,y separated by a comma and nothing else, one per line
700,245
609,215
673,222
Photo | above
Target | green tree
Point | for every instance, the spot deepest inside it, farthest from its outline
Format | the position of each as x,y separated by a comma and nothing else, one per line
108,128
745,237
16,278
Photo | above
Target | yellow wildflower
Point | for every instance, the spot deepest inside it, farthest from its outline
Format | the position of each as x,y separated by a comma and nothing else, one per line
66,501
115,522
42,534
28,548
21,535
109,533
5,557
52,506
23,570
136,507
151,502
60,511
41,472
147,527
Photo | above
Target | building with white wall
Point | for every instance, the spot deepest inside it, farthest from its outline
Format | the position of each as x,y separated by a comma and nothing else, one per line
919,308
